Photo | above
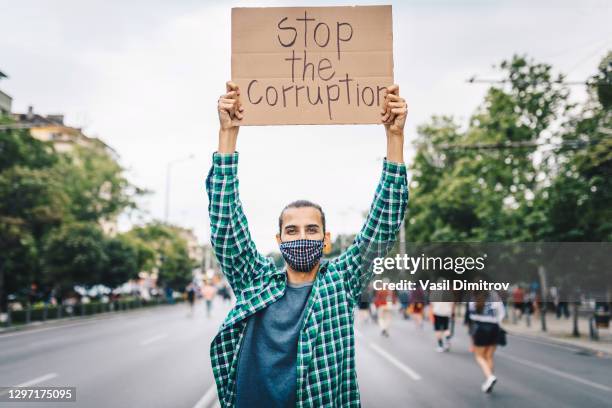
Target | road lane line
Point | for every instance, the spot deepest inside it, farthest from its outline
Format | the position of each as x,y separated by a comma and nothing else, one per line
557,372
34,381
37,380
208,398
153,339
407,370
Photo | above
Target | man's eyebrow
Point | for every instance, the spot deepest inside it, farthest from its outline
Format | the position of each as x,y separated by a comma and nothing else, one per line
313,225
290,226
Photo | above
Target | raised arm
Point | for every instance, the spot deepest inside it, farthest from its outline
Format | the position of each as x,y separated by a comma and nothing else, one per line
387,211
240,261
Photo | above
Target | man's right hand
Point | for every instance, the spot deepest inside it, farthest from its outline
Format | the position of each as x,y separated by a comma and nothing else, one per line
229,108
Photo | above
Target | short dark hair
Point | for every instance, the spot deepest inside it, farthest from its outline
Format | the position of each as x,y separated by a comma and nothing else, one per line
300,204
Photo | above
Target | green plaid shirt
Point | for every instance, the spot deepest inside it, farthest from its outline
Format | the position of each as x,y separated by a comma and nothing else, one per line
326,374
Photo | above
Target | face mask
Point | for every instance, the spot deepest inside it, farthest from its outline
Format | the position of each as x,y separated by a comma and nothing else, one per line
302,254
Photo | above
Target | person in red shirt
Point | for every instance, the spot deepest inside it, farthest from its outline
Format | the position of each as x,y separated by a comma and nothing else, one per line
385,300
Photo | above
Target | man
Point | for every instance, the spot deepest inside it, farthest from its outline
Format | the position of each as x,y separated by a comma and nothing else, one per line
289,339
442,310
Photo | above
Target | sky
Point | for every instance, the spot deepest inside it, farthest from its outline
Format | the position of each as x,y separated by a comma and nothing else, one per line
145,76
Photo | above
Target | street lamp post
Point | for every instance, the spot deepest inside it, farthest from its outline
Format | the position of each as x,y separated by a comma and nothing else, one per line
168,182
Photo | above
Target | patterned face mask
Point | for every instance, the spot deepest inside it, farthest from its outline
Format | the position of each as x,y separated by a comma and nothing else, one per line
302,254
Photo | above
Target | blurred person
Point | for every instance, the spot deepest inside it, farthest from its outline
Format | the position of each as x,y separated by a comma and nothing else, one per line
403,296
385,301
442,310
227,292
289,340
169,295
417,306
468,324
486,312
518,300
364,313
529,306
209,291
190,292
561,303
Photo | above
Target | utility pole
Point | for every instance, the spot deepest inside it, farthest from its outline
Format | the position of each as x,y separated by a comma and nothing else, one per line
544,296
402,237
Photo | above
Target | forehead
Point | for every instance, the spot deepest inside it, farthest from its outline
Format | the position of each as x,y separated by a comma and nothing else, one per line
302,216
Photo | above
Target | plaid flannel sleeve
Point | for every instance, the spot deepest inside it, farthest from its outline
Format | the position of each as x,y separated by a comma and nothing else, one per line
230,237
378,234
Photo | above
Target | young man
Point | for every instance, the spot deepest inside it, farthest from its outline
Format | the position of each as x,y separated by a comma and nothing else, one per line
442,310
289,340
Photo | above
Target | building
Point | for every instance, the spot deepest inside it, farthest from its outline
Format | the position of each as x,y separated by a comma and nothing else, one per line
51,128
5,100
194,249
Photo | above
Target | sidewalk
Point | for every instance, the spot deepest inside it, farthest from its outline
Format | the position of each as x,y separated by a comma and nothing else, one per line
560,330
67,320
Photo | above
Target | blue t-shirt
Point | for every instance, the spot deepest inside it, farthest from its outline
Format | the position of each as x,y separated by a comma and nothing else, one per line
267,364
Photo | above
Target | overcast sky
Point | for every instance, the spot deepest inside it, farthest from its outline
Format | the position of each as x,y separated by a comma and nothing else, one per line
145,75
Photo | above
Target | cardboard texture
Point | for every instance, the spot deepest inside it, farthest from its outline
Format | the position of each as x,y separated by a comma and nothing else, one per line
312,65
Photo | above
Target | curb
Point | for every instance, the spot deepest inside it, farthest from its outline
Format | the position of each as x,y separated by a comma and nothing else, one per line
591,348
65,320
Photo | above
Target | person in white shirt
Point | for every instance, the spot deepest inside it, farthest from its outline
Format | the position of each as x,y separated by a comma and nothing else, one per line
486,312
442,314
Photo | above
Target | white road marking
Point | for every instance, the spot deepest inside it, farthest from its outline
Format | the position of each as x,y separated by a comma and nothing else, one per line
35,381
32,382
153,339
556,372
403,367
208,398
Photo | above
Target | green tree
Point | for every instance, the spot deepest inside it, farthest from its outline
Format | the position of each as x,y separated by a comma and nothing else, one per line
468,184
165,251
95,184
122,261
576,204
45,195
18,148
32,202
74,254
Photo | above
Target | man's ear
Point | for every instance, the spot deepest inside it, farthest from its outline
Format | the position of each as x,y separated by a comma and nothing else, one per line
327,244
278,239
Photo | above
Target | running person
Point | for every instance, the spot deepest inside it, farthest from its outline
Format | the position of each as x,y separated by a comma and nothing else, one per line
442,311
209,291
417,306
190,297
486,312
385,300
365,314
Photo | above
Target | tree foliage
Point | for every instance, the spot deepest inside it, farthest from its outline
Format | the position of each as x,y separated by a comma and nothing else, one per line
51,207
528,166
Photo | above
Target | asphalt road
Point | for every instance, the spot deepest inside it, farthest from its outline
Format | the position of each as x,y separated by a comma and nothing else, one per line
159,358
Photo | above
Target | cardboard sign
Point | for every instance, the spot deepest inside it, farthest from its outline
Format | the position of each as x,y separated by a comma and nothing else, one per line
312,65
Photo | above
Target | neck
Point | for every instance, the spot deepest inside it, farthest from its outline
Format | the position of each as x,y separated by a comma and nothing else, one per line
297,277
